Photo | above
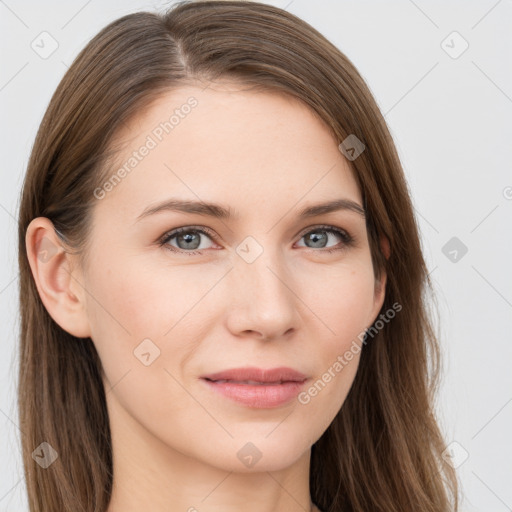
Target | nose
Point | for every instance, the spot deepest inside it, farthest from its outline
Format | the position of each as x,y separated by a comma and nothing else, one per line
262,299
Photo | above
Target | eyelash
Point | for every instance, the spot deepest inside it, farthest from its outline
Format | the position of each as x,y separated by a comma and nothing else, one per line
348,240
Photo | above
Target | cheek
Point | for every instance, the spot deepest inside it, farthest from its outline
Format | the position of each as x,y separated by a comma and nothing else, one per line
131,310
135,299
135,309
342,298
338,359
344,306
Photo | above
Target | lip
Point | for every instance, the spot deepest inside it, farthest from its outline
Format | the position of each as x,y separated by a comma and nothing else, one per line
282,373
276,386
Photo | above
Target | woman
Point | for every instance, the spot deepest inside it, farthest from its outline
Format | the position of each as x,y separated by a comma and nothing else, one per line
221,280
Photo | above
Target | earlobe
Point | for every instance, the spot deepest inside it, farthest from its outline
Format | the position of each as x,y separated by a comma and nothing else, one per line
58,287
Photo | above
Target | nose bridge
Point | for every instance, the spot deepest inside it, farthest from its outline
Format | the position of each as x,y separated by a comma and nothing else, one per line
264,300
261,267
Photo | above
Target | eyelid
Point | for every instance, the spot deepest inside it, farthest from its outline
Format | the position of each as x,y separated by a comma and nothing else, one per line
178,230
326,227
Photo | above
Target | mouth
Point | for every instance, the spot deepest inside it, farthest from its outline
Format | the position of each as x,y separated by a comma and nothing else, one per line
257,388
260,395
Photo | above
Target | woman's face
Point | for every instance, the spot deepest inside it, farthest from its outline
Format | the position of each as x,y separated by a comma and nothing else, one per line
263,288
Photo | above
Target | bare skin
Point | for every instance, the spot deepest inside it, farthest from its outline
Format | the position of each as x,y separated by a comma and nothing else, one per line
176,442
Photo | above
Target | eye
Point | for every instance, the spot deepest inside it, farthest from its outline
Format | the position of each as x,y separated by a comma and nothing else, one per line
319,237
187,238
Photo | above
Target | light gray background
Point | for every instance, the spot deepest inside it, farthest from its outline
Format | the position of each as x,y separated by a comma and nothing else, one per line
451,120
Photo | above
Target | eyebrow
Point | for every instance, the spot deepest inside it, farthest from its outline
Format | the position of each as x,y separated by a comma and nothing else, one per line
225,213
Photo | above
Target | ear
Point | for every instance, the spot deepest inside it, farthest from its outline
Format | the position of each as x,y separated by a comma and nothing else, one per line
59,285
384,246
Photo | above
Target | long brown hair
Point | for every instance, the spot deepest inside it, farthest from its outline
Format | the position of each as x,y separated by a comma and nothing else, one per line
383,451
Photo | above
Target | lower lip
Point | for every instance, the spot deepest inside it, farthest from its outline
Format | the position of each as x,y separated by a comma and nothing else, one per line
262,396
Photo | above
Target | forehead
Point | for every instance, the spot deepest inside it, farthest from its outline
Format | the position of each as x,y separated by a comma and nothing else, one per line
229,144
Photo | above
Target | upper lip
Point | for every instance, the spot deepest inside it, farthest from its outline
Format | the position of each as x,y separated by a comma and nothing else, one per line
281,374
